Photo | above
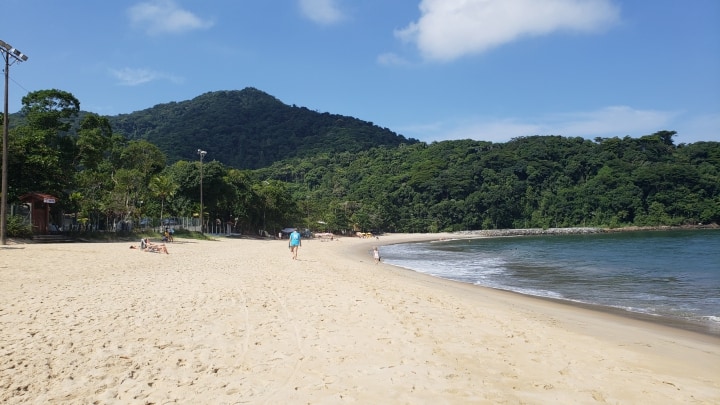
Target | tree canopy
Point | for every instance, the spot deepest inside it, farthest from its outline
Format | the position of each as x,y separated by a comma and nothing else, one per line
249,129
104,178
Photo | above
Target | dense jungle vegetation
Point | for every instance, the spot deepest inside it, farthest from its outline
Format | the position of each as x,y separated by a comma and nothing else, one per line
248,129
342,180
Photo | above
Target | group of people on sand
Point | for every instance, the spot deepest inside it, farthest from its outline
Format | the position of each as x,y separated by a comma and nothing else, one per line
147,246
295,241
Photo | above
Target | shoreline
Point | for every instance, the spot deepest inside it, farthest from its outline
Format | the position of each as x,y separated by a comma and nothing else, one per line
708,328
580,230
237,320
617,316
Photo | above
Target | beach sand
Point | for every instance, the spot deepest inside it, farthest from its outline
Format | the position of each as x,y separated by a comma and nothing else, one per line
236,321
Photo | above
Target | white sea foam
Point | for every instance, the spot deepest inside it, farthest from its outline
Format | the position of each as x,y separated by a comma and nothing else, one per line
713,319
664,274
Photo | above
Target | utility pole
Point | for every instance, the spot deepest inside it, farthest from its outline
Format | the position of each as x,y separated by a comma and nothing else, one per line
10,55
202,154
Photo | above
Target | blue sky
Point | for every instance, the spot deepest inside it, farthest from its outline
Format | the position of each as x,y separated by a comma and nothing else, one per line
427,69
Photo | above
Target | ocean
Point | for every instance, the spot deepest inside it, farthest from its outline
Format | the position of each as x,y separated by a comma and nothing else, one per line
672,275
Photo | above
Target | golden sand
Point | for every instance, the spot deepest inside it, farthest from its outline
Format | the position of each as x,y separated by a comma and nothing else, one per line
236,321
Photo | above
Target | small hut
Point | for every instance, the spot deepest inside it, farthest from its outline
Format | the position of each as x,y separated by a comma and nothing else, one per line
39,211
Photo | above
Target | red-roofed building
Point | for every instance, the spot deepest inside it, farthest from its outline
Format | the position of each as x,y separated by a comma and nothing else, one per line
39,211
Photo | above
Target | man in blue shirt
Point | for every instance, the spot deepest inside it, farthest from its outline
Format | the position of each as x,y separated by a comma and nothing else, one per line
295,243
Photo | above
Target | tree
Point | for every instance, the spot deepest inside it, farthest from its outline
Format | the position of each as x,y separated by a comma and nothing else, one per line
51,110
41,150
276,205
534,181
93,141
142,156
126,194
239,202
93,188
163,187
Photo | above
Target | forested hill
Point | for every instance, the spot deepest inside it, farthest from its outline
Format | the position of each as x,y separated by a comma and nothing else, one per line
529,182
249,129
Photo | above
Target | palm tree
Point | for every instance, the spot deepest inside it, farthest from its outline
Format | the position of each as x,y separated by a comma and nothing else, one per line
163,187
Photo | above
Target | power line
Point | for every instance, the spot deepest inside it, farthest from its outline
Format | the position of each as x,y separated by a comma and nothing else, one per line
17,83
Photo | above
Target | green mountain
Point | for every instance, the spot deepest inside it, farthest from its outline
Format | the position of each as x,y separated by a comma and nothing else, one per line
249,129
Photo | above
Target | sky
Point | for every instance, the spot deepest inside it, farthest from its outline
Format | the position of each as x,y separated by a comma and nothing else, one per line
433,70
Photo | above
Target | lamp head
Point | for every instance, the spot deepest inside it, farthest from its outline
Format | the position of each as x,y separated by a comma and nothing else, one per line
15,53
19,55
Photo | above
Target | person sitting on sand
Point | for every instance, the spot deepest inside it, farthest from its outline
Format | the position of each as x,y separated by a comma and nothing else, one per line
148,246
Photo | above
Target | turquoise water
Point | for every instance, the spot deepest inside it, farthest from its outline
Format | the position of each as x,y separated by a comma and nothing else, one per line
673,274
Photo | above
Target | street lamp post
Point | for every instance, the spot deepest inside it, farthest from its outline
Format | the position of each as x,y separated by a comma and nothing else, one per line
11,55
202,154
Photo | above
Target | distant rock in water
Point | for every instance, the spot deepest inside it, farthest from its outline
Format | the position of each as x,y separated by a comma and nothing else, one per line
532,231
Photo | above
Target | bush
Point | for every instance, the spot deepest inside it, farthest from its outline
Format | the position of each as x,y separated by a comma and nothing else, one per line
17,228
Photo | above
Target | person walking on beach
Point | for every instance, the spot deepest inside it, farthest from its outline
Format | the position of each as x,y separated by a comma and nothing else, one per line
376,255
295,244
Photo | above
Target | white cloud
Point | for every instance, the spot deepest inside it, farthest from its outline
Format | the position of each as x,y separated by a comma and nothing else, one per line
494,130
321,11
164,17
611,121
135,77
449,29
606,122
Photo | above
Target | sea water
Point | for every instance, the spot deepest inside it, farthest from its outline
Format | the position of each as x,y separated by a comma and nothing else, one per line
673,274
